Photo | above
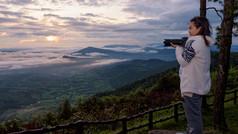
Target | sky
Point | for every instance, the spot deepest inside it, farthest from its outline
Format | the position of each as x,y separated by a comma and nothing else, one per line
82,23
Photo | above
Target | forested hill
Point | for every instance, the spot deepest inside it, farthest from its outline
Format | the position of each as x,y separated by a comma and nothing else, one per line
142,84
151,80
214,60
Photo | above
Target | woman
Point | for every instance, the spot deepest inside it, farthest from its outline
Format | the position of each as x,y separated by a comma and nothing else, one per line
194,60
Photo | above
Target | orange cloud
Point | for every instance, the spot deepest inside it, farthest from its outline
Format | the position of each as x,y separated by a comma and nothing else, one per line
4,34
30,40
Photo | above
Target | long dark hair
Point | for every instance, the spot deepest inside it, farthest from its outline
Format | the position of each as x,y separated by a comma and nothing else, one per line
206,29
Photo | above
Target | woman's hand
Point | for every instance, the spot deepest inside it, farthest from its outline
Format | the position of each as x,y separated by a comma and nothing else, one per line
173,45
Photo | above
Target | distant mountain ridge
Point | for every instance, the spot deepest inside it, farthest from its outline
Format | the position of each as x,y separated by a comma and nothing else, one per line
94,49
124,46
147,53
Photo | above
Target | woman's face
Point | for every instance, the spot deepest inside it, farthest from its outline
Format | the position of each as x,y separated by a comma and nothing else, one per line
192,29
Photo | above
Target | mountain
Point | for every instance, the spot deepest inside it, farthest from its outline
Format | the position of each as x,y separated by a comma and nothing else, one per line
93,49
122,46
145,53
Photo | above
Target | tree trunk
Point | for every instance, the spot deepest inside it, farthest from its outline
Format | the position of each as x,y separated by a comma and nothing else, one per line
203,4
203,11
223,66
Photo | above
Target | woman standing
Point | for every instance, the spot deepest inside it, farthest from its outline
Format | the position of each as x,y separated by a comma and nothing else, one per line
194,60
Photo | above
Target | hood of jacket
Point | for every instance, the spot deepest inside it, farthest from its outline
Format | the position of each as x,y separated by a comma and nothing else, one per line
199,37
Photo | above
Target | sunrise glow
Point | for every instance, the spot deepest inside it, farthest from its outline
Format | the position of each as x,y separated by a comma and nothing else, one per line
3,34
52,38
82,23
28,41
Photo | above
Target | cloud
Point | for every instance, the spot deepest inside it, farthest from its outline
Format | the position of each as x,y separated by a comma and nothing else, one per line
102,35
143,10
46,9
165,13
9,13
21,34
3,7
76,23
59,17
24,28
20,2
16,14
64,2
27,41
8,20
125,48
156,8
90,15
135,30
46,33
29,17
100,21
95,2
15,58
40,9
105,62
3,34
96,54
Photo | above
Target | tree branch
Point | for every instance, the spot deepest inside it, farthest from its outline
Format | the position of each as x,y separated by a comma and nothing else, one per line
215,10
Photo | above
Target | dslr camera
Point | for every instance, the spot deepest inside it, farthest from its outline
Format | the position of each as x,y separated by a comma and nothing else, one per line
180,42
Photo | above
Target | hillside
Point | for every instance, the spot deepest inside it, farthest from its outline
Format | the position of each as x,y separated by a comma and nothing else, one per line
26,92
164,92
149,81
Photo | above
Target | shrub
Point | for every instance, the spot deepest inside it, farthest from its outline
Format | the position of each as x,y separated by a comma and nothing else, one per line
13,125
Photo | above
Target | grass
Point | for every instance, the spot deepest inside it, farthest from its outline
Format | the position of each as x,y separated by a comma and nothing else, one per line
231,111
231,116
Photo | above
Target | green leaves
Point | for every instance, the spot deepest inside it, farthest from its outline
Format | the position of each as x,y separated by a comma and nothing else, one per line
64,110
234,9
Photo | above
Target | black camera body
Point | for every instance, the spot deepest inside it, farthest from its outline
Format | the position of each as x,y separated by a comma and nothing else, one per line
180,42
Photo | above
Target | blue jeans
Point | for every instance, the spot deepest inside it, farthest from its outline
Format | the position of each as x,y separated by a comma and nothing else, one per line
192,107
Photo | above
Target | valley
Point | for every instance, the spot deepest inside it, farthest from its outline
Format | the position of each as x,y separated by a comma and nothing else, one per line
27,92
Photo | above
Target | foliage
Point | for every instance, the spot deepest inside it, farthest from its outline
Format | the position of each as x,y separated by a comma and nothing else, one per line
232,81
109,107
168,81
235,26
214,60
142,84
50,118
162,90
64,111
13,125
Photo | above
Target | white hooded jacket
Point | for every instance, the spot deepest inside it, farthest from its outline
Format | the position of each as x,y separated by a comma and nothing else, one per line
194,60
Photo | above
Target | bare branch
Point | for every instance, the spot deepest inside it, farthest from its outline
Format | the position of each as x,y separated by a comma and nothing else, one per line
215,10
